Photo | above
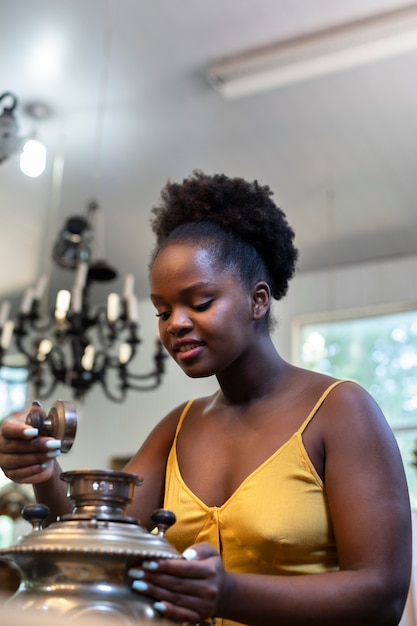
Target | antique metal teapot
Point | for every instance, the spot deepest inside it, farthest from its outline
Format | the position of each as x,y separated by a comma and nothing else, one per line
78,565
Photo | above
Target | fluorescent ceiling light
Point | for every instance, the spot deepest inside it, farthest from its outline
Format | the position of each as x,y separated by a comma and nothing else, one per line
316,54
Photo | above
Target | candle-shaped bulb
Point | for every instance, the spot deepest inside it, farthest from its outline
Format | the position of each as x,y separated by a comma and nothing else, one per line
128,286
125,352
81,276
132,308
76,299
40,287
113,307
44,348
27,300
87,360
6,335
4,312
62,304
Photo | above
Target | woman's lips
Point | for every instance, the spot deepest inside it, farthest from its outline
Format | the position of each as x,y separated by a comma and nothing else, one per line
188,349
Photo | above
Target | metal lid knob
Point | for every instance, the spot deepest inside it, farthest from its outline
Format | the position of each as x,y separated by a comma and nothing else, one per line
60,423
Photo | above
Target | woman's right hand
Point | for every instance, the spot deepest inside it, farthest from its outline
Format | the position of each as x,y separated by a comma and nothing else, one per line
25,457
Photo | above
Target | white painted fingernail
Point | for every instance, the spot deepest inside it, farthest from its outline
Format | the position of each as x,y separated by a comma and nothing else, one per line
53,444
189,554
150,565
53,454
136,573
31,432
140,585
46,464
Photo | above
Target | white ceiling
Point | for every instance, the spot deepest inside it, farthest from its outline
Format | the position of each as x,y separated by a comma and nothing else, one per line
130,107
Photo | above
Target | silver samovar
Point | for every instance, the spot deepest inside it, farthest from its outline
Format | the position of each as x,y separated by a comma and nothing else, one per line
78,566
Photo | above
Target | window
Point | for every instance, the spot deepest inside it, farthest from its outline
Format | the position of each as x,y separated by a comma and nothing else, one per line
13,390
377,349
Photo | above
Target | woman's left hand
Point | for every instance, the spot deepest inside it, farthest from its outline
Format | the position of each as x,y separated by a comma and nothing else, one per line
184,590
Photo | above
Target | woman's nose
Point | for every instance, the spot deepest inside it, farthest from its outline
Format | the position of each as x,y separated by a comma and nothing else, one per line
179,322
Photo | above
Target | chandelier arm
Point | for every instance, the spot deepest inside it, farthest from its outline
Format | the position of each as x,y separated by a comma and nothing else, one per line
110,395
56,354
142,376
57,370
35,321
100,367
107,361
155,385
43,395
159,370
19,334
41,327
102,325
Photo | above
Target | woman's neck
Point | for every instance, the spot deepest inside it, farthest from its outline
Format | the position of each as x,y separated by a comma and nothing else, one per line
255,377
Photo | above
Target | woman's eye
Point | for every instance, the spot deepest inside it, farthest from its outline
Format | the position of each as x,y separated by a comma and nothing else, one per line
203,306
163,316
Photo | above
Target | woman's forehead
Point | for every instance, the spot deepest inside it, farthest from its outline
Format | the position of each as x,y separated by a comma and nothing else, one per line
179,255
184,264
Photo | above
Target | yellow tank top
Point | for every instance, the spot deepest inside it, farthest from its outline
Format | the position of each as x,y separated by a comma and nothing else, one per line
276,522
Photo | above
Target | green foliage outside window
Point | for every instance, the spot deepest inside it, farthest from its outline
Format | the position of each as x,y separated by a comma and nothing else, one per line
380,353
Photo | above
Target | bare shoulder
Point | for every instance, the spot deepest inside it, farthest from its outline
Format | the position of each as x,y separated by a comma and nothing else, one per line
348,405
359,442
348,428
341,402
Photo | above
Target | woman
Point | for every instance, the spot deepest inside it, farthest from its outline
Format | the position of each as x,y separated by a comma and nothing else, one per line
288,487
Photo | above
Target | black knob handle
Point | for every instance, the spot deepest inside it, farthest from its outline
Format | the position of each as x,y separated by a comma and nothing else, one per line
35,514
163,518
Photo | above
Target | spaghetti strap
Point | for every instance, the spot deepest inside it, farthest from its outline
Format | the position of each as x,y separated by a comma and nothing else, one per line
182,417
318,405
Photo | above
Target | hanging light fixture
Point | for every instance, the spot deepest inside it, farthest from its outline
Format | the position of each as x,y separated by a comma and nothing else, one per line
10,142
32,151
74,344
